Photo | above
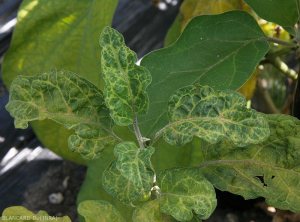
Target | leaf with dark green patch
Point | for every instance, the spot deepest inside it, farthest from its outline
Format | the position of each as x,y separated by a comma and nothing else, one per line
220,51
134,164
118,186
270,169
284,13
185,190
67,99
98,210
126,82
211,115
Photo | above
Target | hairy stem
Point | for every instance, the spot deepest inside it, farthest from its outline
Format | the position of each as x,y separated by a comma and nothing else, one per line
280,65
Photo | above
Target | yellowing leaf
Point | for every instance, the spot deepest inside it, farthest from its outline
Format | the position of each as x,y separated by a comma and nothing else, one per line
248,89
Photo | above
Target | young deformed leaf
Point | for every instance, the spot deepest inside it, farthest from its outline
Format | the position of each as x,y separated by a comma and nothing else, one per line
220,51
212,115
134,164
185,190
118,186
284,13
150,212
97,210
67,99
126,82
21,214
270,169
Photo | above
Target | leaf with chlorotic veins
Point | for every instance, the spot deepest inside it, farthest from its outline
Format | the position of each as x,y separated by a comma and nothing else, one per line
126,82
270,169
185,190
64,34
67,99
98,210
118,186
150,212
220,51
134,164
284,13
27,215
211,116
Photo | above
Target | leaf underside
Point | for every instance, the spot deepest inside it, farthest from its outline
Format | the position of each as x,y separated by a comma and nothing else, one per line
270,169
213,115
67,99
126,82
220,51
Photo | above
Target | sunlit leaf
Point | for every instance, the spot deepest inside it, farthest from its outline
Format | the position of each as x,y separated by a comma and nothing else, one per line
270,169
213,115
97,210
284,13
67,99
125,81
221,51
185,190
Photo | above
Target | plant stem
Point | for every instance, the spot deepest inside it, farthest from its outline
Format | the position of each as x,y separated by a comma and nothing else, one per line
280,42
280,65
137,130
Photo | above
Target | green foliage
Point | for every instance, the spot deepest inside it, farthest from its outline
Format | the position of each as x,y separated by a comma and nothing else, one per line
212,115
209,45
125,81
284,13
97,210
21,214
64,34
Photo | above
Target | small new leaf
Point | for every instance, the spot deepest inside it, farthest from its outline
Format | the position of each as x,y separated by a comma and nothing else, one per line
185,190
98,210
134,164
270,169
212,115
67,99
118,186
126,82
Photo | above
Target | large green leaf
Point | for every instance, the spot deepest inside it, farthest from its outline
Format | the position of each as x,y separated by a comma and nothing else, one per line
270,169
69,100
185,190
98,210
221,51
212,115
284,13
134,164
58,33
125,81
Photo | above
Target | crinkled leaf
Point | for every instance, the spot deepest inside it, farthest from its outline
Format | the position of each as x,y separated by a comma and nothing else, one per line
64,34
98,210
284,13
134,164
270,169
213,115
125,81
118,186
150,212
67,99
221,51
23,215
185,190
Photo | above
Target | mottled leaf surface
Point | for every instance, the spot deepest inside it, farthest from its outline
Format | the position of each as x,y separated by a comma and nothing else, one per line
67,99
97,210
64,34
11,213
270,169
134,164
150,212
126,82
200,111
185,190
118,186
284,13
221,51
